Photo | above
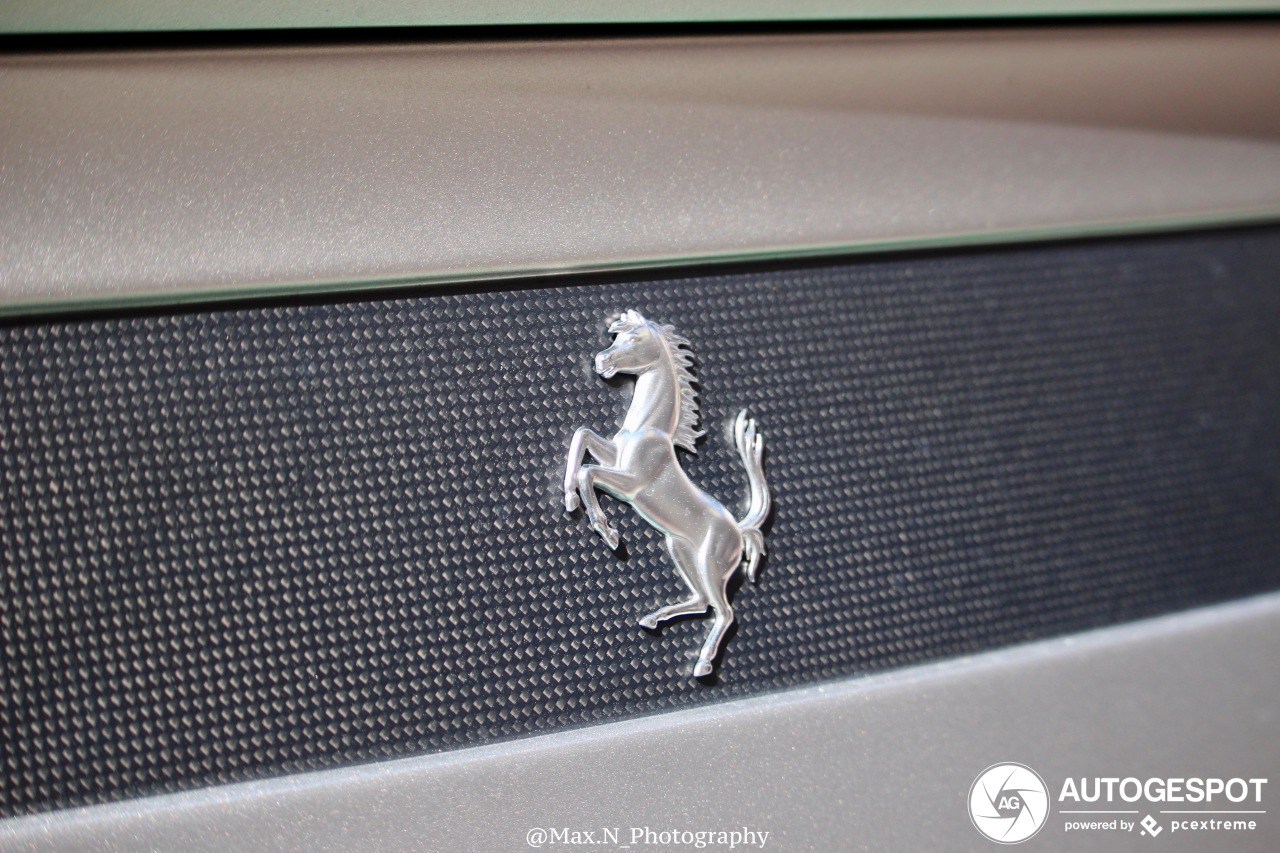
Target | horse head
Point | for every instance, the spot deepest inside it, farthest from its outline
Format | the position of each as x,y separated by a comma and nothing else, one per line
637,346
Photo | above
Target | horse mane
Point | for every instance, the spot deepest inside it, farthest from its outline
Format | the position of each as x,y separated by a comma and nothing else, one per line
681,352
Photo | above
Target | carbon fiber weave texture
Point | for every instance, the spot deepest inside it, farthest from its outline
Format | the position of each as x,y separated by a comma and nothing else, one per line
241,543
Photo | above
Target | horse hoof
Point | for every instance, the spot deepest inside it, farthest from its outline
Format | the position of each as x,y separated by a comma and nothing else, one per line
611,538
571,501
702,669
649,622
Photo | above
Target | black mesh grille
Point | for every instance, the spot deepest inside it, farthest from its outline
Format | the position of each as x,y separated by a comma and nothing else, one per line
240,543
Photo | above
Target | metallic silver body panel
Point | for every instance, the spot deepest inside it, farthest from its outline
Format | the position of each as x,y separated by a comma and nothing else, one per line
878,763
162,176
193,174
132,15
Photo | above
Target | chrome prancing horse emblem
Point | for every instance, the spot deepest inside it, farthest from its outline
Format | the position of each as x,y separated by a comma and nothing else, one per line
639,466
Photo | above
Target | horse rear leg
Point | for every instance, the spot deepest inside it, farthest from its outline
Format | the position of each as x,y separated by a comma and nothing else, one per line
685,559
695,605
719,601
711,648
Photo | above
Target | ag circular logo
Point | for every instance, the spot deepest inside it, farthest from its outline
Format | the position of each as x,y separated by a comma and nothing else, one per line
1008,803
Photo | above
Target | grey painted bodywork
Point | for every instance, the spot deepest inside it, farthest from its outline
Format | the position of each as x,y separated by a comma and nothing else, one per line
193,174
170,175
34,16
876,763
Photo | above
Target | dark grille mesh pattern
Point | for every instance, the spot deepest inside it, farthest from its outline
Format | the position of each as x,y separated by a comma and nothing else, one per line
240,543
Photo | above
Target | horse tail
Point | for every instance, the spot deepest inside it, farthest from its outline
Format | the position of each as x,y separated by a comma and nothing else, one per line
751,449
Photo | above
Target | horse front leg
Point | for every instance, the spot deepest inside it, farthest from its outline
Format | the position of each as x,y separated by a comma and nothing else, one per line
604,451
617,482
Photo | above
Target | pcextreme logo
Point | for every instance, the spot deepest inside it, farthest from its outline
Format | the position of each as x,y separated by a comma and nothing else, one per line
1009,803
